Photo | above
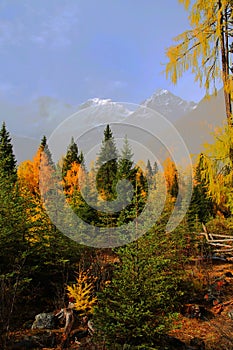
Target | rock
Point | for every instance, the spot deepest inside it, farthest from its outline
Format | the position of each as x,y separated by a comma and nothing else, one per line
39,340
44,321
197,344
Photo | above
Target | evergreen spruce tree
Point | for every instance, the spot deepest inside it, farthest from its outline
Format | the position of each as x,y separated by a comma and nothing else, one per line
126,172
126,161
134,190
70,157
81,160
141,299
201,206
12,223
44,148
175,186
127,175
149,170
7,158
155,168
149,174
107,167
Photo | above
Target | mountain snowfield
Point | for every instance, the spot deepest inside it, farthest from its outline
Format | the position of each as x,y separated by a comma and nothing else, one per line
42,116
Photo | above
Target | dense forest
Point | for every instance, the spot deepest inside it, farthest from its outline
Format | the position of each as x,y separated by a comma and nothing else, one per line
133,292
133,279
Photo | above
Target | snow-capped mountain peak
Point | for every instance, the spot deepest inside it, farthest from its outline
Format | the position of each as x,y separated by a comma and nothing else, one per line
99,101
160,92
169,105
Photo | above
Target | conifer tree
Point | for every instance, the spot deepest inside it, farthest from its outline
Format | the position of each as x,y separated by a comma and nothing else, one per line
12,223
7,158
107,167
206,48
139,302
126,193
45,148
201,206
70,157
155,168
126,160
149,170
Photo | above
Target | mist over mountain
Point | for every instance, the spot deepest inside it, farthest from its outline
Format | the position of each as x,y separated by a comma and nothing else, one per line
197,127
28,123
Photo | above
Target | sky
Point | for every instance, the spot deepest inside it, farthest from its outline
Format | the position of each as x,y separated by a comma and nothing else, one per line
74,50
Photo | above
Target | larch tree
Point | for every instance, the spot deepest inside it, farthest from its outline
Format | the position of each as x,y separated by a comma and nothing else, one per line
83,293
36,174
171,177
217,174
206,48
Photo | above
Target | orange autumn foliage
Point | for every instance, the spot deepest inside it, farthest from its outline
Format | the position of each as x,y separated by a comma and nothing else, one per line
36,175
170,173
74,176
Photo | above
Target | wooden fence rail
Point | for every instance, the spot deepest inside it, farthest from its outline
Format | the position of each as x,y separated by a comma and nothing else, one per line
222,243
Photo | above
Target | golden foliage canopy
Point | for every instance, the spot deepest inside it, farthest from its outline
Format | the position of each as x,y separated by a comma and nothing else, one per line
217,169
83,293
201,48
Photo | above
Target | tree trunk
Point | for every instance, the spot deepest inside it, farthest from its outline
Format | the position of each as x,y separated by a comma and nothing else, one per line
225,63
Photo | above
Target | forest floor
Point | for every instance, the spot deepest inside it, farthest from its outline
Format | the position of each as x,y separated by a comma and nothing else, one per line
214,326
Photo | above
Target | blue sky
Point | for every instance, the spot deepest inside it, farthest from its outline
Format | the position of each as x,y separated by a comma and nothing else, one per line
74,50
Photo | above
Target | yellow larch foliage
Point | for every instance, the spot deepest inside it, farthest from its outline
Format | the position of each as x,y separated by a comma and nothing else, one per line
83,293
36,174
199,49
217,169
169,172
71,182
34,180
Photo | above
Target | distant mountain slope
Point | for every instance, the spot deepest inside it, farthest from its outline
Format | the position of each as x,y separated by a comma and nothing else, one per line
24,147
197,126
195,122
